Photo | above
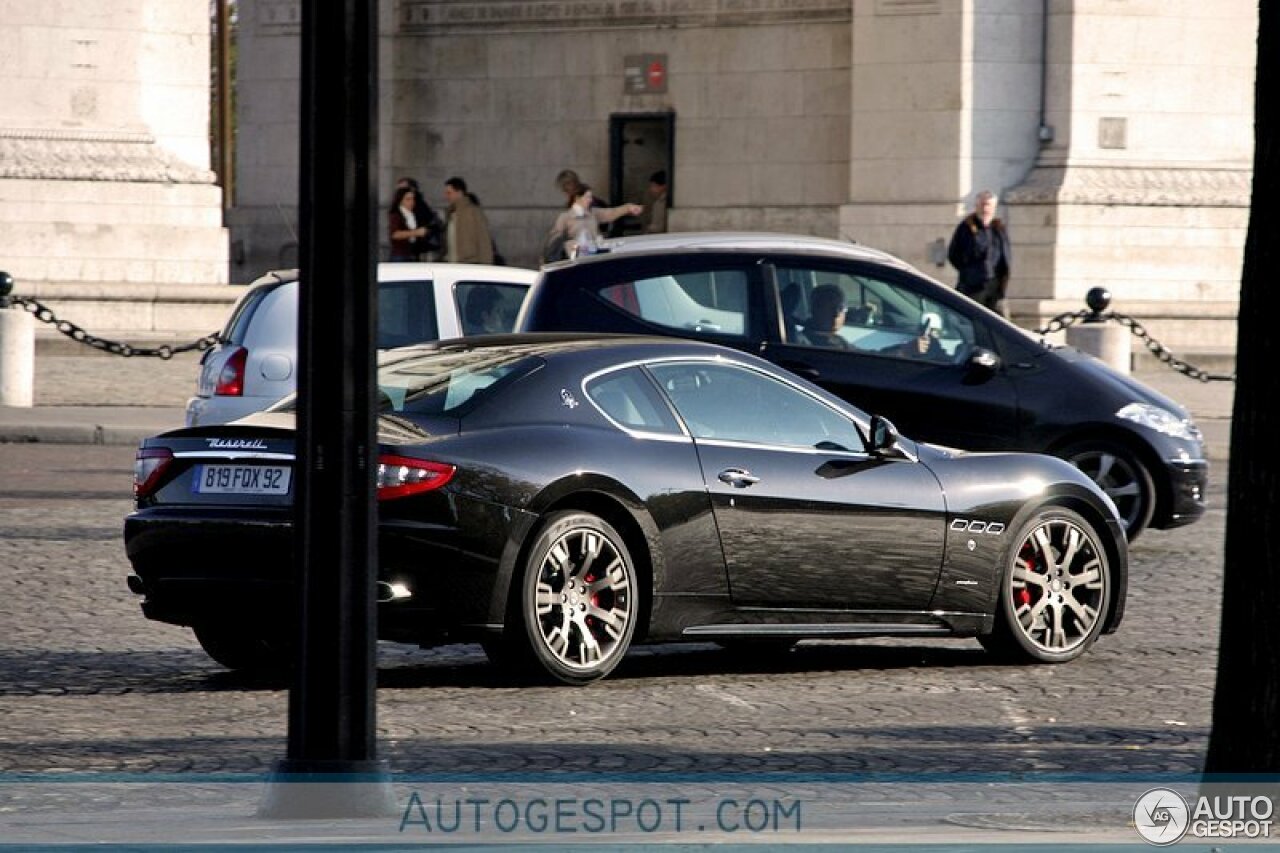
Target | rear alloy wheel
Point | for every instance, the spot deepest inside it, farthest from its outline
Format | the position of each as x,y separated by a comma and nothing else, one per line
579,600
236,649
1118,472
1055,593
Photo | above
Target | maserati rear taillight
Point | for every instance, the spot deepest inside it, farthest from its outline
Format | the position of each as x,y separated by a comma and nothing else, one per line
231,377
399,476
148,467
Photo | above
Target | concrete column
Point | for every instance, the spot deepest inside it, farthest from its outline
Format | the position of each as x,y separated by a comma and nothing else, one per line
17,357
1108,342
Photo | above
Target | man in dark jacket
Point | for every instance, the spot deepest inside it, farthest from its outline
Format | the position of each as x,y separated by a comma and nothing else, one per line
980,251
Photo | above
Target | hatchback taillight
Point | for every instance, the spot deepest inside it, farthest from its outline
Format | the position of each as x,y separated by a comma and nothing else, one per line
148,467
399,476
231,377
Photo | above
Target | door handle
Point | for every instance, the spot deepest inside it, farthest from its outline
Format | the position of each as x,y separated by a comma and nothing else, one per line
738,478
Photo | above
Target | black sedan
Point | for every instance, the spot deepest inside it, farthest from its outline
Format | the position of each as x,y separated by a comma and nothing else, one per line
560,498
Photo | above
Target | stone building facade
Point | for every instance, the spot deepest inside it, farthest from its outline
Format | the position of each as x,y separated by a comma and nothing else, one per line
108,208
1118,132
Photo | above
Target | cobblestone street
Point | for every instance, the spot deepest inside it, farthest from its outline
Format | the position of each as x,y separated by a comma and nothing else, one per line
88,684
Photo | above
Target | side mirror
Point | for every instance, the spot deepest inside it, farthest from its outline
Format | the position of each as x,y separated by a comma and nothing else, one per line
885,441
983,360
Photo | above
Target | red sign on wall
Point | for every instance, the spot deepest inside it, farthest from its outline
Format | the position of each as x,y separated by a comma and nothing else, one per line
645,74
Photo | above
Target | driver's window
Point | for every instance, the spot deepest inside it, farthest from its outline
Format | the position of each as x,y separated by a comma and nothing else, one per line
730,403
848,311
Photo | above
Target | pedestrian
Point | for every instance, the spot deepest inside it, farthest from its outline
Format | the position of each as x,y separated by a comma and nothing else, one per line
656,221
498,259
467,237
568,182
981,252
408,236
577,230
428,247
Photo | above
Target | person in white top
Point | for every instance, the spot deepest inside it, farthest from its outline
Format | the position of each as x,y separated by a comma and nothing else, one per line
579,226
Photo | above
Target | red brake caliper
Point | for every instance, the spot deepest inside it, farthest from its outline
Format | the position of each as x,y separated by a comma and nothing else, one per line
1023,596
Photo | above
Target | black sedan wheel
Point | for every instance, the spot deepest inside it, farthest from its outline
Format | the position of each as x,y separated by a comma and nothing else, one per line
1119,473
579,599
232,647
1055,593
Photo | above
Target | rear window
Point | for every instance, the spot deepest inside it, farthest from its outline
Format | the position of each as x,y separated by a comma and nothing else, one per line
238,323
448,383
713,301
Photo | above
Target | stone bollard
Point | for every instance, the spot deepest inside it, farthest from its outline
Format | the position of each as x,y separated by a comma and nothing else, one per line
1108,342
17,350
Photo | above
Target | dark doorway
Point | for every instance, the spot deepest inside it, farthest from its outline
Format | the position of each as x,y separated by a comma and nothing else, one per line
639,145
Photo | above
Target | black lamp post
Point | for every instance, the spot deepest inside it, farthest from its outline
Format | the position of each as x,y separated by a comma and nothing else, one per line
332,700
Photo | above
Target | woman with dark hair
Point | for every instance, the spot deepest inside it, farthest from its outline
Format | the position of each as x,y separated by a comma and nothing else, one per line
408,235
577,230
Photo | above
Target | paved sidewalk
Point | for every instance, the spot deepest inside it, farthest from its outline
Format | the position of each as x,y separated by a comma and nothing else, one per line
105,399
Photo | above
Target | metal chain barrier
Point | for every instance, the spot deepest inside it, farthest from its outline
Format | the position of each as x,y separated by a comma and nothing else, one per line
45,315
1070,318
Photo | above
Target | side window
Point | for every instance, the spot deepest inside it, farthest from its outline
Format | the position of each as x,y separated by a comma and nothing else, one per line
839,310
488,307
406,313
629,398
716,302
737,404
238,324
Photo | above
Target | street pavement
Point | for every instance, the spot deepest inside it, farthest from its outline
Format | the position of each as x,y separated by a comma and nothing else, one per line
106,399
119,730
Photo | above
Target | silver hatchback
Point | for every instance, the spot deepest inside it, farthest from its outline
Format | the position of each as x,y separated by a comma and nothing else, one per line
255,362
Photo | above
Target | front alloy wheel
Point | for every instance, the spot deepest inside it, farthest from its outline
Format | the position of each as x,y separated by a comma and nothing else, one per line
579,601
1056,592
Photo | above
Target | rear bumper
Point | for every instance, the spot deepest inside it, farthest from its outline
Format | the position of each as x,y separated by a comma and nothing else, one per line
234,566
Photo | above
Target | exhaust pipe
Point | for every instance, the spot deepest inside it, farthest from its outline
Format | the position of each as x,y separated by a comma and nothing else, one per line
393,592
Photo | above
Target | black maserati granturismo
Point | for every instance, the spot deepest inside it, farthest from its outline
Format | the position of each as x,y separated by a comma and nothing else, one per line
561,498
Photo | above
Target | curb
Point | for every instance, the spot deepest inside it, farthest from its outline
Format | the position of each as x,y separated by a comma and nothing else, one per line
75,434
100,425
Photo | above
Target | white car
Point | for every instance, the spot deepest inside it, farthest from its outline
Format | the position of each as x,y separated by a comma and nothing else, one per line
255,362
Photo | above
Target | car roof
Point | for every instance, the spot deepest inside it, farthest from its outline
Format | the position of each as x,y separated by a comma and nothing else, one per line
728,242
756,240
388,271
551,343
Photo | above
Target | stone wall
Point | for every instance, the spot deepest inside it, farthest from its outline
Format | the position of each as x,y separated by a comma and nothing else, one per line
104,152
1118,132
1144,188
508,94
